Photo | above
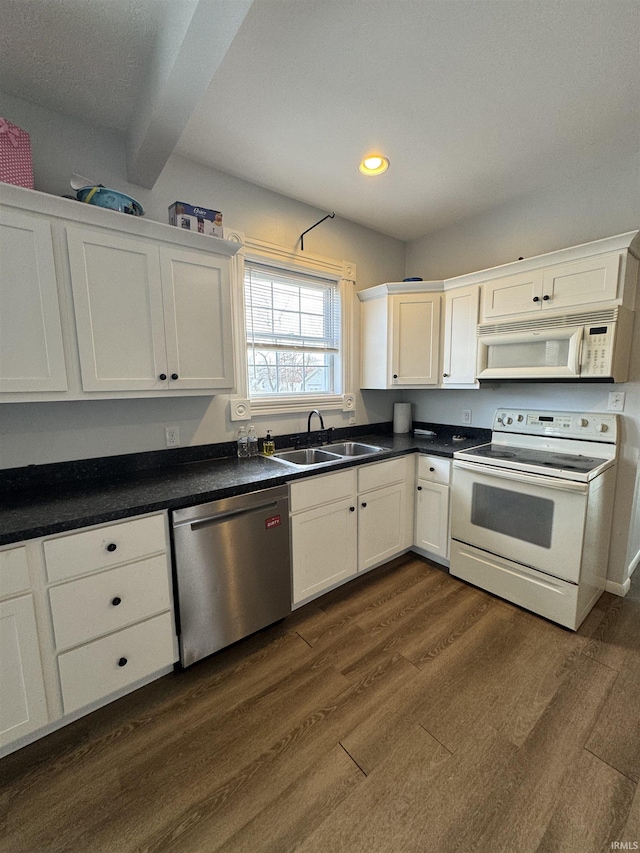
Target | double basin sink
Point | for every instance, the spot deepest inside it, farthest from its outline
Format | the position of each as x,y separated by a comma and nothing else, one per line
312,456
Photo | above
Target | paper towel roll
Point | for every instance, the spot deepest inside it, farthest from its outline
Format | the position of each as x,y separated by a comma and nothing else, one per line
402,417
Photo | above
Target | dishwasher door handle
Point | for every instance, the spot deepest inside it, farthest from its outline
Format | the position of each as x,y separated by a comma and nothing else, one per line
197,523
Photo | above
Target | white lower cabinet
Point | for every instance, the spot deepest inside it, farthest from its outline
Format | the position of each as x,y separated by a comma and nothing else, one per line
347,522
431,530
112,663
86,617
116,602
324,544
23,705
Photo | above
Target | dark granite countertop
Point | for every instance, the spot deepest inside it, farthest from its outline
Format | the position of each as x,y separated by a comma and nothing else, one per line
28,511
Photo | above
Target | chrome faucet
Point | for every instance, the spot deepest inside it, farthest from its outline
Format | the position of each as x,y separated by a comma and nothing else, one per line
311,413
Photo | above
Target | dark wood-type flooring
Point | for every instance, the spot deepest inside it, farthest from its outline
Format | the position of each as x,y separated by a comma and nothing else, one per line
406,711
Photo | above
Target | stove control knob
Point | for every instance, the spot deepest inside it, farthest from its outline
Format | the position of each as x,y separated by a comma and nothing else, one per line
499,420
509,420
584,422
520,419
603,428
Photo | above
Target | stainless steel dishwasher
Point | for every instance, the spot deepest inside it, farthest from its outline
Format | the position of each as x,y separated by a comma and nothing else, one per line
233,569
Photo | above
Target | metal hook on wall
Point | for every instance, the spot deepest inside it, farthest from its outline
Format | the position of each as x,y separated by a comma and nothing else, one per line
328,216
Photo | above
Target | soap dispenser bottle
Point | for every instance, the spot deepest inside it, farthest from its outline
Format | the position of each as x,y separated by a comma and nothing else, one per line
268,445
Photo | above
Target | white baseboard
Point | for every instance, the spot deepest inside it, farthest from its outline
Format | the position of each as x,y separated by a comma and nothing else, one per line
618,588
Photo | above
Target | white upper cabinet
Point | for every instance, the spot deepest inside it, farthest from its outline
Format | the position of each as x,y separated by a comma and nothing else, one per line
578,277
197,319
31,351
400,338
117,297
460,340
581,283
149,317
512,295
563,286
94,303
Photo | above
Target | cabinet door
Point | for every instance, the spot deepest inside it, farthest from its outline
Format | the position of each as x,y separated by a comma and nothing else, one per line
324,545
415,339
381,524
581,283
432,518
460,336
512,295
196,293
23,706
117,296
31,353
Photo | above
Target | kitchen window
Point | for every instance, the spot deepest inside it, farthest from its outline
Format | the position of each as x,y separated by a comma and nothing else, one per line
293,341
293,329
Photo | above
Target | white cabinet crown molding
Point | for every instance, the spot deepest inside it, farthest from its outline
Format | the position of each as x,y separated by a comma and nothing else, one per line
391,287
629,241
89,215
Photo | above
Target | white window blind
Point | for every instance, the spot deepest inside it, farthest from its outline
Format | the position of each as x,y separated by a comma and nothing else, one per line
293,331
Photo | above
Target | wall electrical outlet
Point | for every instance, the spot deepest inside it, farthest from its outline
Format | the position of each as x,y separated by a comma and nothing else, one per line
172,436
466,416
616,401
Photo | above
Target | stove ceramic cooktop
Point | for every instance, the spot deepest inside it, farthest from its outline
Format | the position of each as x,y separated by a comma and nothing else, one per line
566,465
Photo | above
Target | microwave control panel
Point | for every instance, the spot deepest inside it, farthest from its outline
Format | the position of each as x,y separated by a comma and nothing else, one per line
597,350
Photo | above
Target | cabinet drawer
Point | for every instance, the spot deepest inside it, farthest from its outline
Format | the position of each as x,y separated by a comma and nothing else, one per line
102,547
382,474
96,670
317,491
14,571
85,608
434,468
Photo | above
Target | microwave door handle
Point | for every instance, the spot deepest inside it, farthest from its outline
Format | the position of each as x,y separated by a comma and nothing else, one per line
577,362
522,477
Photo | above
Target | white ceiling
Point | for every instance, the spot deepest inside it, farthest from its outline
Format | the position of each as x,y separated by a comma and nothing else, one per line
473,101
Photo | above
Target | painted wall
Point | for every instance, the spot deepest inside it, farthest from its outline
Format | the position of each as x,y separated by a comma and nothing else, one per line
584,207
45,432
599,204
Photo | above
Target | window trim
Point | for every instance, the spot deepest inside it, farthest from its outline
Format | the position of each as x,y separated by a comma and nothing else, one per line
242,407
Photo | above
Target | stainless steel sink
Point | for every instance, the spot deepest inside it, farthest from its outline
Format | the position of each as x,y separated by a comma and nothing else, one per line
310,456
354,448
313,456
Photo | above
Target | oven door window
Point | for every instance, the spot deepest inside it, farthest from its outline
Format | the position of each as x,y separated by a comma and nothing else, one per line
514,514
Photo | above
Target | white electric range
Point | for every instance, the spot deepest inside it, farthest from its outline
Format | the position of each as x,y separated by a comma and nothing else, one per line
531,511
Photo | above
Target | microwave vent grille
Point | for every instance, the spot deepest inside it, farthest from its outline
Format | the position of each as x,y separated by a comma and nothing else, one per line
608,315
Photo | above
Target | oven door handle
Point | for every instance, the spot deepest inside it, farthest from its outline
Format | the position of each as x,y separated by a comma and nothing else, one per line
522,477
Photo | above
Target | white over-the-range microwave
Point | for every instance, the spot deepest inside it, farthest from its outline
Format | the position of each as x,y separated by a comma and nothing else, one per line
592,346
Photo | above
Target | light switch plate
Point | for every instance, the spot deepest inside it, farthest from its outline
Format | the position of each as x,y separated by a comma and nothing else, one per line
466,416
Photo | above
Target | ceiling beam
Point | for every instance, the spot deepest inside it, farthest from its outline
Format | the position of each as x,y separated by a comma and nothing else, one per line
195,37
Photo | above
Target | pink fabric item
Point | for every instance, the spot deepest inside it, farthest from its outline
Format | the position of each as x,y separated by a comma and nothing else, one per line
16,164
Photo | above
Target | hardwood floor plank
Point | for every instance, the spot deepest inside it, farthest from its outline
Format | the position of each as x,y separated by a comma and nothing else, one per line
469,716
616,734
222,809
517,809
293,814
617,635
411,801
630,832
592,808
373,599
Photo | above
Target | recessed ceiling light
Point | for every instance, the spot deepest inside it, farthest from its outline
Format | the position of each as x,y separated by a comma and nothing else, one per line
374,165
